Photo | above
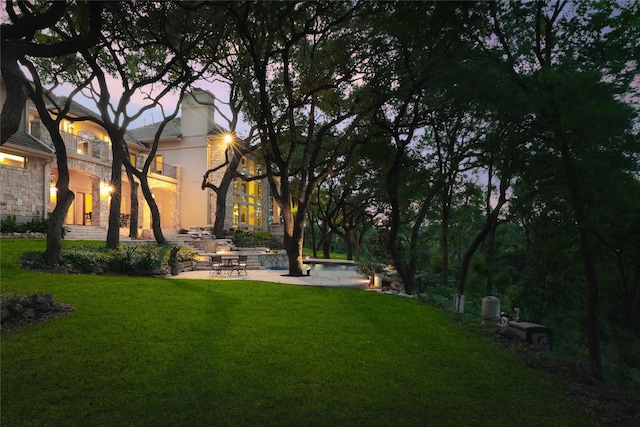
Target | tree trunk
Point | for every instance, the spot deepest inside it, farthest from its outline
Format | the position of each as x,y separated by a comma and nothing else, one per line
444,242
155,213
293,239
629,309
221,210
221,197
326,244
55,223
588,260
349,244
312,228
466,259
133,224
491,223
491,238
593,300
65,196
113,231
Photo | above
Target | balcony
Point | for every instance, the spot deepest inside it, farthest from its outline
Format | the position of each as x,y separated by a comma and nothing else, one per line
164,169
102,150
89,147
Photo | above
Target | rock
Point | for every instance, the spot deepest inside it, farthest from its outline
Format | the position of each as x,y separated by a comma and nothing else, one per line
20,313
57,306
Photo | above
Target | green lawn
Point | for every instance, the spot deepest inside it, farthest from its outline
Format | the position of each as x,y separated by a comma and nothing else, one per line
143,351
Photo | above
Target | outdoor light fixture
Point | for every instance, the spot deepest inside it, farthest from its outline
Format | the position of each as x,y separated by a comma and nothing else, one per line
105,188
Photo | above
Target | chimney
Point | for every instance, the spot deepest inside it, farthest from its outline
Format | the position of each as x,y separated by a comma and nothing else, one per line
197,113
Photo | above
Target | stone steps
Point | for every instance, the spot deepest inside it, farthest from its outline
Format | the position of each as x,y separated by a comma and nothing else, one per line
257,257
81,232
88,232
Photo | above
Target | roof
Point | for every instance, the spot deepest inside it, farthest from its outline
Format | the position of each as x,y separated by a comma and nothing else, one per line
171,130
23,141
79,110
148,133
76,108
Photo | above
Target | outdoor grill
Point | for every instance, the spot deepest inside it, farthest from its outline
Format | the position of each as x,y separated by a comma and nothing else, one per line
532,333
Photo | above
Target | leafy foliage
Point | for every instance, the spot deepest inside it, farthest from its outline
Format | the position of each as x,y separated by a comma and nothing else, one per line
128,259
258,238
10,225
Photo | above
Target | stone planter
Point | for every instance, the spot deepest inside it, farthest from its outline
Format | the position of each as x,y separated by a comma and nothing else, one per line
177,267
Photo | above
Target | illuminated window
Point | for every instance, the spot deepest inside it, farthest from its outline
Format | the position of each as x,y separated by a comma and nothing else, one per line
12,160
247,197
158,165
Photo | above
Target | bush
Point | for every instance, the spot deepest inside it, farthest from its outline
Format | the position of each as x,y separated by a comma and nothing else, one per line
253,239
11,225
149,258
127,259
369,267
85,260
36,225
11,304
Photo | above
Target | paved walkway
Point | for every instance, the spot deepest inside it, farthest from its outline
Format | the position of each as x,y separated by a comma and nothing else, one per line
322,277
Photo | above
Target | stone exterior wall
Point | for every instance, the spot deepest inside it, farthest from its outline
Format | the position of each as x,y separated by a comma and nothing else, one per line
23,192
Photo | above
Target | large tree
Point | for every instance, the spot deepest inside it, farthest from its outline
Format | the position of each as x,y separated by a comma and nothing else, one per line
237,146
24,41
304,89
573,62
417,49
24,37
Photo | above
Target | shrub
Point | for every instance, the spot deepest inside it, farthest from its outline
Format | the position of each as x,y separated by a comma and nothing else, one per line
128,259
148,259
9,225
184,255
11,304
259,238
35,225
369,267
122,259
85,260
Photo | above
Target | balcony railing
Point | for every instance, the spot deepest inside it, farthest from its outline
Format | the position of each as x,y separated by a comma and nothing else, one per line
90,147
101,150
164,169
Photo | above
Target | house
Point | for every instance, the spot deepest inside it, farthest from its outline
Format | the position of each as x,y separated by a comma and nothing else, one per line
29,171
197,143
188,147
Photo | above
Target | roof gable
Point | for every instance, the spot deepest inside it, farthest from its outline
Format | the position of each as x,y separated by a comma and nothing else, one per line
24,141
148,133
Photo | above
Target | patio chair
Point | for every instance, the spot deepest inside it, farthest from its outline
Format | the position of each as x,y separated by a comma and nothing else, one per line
242,264
216,265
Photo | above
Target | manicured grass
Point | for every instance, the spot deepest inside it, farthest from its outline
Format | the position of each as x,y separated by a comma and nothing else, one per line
332,255
143,351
